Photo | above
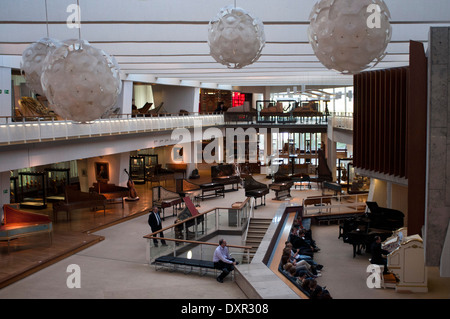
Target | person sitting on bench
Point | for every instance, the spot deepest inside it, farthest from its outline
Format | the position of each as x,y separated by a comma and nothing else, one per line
223,261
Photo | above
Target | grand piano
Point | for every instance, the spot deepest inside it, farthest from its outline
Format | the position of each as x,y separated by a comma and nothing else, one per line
360,231
256,190
281,186
224,174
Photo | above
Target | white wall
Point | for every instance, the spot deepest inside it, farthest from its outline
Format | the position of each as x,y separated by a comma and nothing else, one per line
177,98
5,96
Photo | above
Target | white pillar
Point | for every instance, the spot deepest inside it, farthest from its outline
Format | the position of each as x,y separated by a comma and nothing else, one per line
5,191
5,94
125,97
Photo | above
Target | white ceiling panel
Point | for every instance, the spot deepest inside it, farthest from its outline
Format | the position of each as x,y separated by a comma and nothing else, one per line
165,41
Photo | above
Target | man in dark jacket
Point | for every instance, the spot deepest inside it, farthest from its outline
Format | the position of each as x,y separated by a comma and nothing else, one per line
154,220
377,254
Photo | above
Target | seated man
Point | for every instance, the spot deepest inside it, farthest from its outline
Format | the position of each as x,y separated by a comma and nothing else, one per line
377,254
223,261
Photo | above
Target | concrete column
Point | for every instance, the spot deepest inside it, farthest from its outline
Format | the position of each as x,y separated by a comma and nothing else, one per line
437,214
5,93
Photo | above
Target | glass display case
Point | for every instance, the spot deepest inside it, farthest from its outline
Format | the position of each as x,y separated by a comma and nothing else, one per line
33,190
14,190
137,169
358,184
57,179
342,171
150,163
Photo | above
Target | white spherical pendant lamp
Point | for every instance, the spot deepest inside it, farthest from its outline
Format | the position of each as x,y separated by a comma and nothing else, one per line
236,38
82,83
350,35
32,63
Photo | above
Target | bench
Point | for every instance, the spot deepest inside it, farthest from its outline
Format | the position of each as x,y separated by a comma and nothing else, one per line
175,262
211,190
17,224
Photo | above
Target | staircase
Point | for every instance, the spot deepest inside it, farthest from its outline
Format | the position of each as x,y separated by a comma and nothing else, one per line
256,231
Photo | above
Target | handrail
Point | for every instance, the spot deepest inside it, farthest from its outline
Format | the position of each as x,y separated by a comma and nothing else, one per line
42,130
197,242
318,209
194,217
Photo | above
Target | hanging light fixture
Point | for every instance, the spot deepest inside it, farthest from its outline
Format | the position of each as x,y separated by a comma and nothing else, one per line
236,38
81,82
33,58
350,35
32,62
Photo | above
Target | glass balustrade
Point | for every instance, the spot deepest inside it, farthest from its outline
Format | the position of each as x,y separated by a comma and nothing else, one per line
189,235
37,129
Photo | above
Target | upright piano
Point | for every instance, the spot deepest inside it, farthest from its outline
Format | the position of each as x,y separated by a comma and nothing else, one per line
406,260
360,231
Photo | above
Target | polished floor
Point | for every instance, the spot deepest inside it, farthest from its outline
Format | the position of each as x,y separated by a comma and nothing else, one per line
112,260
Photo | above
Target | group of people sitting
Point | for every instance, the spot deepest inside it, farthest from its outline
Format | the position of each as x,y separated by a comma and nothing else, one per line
298,263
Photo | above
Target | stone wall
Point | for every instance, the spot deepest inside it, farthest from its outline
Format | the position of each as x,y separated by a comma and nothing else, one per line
438,146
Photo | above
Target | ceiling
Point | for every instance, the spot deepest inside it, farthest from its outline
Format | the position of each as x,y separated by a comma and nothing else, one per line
165,41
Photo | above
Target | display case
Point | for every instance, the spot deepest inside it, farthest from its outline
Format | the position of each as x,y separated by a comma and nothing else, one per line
33,190
150,163
14,190
342,172
358,184
137,169
57,180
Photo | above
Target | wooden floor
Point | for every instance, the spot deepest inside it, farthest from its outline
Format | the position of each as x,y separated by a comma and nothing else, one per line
30,254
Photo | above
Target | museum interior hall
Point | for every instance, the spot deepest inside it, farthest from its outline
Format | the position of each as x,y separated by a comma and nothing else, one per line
311,135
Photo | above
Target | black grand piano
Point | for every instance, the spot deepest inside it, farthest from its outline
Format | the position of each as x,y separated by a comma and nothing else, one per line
188,212
377,221
256,190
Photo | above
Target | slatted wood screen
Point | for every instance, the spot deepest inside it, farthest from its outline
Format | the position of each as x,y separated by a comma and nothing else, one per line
380,113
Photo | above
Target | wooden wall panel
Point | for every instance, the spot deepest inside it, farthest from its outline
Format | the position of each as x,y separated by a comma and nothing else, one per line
380,121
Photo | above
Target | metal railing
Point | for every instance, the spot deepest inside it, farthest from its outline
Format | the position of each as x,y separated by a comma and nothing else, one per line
334,205
180,237
44,129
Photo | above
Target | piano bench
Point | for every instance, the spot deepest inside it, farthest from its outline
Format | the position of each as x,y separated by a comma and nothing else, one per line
180,261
